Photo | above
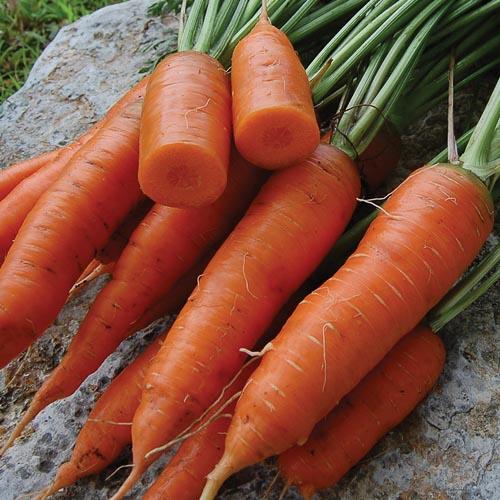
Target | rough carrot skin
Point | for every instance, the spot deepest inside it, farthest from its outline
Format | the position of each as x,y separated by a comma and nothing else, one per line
274,121
19,202
185,475
11,176
101,440
186,131
381,401
293,221
119,239
65,229
167,244
439,219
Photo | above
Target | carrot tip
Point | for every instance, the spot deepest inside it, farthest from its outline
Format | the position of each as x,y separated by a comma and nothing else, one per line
216,478
128,484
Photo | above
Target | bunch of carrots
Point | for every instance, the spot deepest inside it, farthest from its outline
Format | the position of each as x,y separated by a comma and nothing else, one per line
208,191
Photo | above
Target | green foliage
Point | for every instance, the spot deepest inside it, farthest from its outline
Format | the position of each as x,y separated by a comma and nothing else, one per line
26,27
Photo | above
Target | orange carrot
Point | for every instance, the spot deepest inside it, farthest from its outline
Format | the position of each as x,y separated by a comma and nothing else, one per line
167,244
107,256
379,402
186,131
106,432
287,230
430,230
65,229
119,239
18,203
185,475
379,159
274,121
11,176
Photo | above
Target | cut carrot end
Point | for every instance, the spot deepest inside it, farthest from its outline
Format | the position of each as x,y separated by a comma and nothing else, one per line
183,175
216,478
276,138
128,484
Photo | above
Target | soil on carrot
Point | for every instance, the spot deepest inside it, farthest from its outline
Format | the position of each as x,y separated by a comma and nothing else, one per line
26,27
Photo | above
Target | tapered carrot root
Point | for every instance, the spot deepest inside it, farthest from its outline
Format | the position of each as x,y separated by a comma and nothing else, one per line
65,229
11,176
186,131
291,224
431,229
147,282
185,475
18,203
106,432
69,374
274,121
379,402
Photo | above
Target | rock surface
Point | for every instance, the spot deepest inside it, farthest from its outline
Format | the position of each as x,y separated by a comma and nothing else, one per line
448,448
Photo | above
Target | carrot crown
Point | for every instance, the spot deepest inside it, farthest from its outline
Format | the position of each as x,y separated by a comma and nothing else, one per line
482,154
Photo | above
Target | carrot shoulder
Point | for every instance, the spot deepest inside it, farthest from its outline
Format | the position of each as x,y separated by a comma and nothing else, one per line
431,229
186,131
65,229
274,121
379,403
15,207
291,224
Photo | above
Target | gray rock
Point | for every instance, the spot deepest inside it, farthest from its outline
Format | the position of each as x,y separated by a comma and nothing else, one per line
448,448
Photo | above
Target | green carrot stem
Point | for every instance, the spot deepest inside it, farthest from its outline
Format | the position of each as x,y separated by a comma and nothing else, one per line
491,8
190,27
476,157
223,42
467,291
321,18
205,38
363,131
369,11
304,9
360,45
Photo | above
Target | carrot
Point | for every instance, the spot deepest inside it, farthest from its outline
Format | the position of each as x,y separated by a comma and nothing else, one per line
287,230
185,131
11,176
185,475
379,159
120,238
401,269
166,245
274,121
65,229
15,207
386,395
106,432
381,401
107,256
